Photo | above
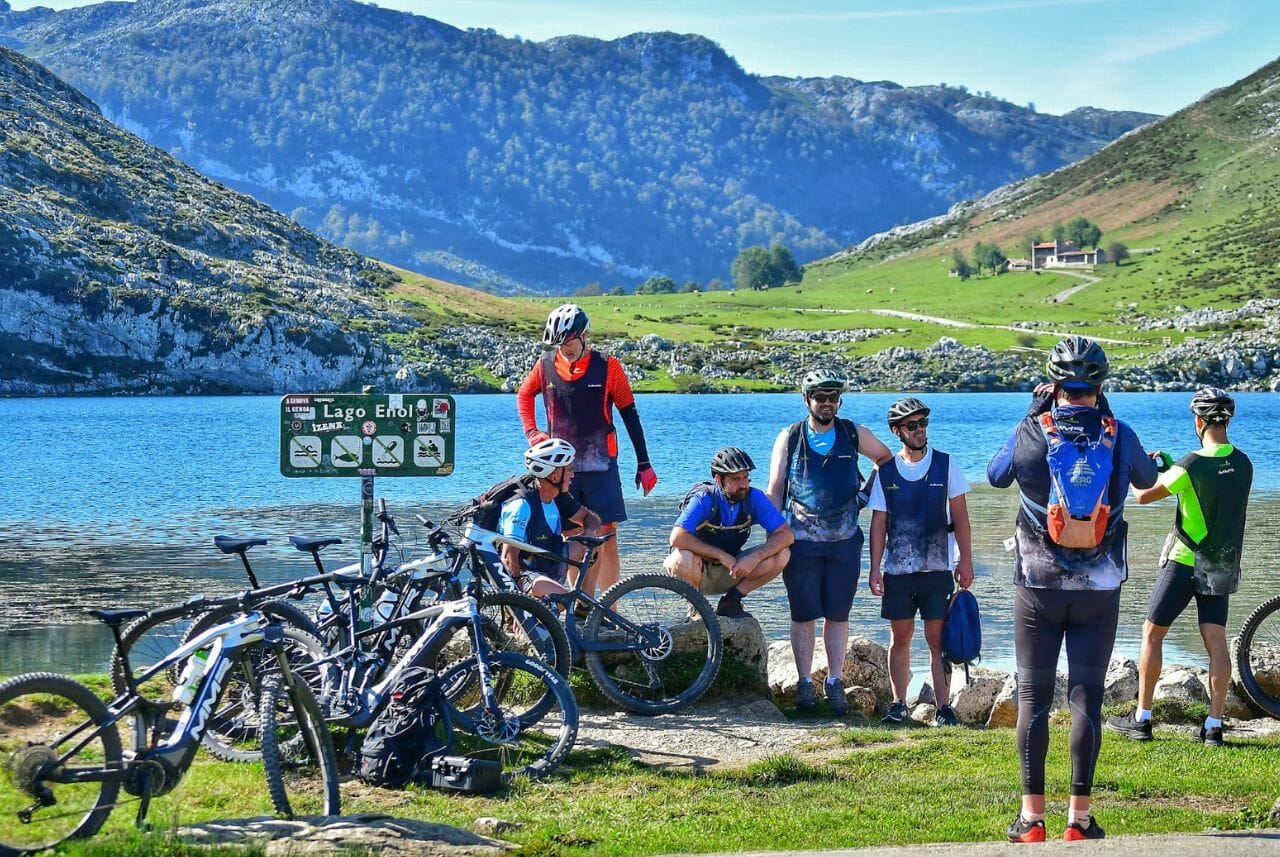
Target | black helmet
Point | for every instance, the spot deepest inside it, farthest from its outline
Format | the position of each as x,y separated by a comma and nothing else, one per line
731,459
821,379
1077,358
904,408
1213,405
565,322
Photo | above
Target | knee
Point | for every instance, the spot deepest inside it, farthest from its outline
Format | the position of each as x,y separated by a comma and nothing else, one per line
1154,633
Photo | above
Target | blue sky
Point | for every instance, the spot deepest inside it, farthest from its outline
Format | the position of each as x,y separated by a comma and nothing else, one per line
1059,54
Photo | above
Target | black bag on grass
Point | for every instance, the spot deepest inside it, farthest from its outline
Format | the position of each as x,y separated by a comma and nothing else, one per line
413,728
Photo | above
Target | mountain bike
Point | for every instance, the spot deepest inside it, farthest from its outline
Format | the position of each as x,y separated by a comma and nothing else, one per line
62,764
1257,653
651,642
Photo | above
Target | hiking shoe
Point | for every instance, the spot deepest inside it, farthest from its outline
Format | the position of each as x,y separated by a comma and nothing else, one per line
1129,728
1076,832
730,608
1021,830
896,713
1212,737
806,695
945,717
835,696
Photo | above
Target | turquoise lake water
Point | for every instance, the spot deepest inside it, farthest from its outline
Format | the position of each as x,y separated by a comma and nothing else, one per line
114,501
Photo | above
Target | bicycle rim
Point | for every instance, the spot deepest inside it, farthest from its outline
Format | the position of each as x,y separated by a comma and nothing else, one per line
510,733
42,717
1258,656
297,752
147,642
663,644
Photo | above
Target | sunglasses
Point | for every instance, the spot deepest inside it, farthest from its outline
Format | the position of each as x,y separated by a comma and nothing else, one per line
824,398
912,425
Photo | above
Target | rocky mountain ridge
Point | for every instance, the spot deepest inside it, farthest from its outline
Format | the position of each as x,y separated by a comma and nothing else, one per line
514,164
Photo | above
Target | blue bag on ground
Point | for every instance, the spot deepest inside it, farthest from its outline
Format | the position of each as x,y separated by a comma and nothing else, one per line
962,631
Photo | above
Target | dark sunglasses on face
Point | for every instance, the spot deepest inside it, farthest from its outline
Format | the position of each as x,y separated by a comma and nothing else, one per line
824,398
912,425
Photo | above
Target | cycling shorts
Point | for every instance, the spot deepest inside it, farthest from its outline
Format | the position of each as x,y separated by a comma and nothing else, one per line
926,591
601,492
1174,589
821,578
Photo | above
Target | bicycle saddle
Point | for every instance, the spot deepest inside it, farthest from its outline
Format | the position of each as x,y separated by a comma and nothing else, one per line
116,617
307,545
592,541
226,544
523,547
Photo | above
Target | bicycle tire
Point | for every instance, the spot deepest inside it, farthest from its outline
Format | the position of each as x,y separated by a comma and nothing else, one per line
670,675
35,710
1257,655
302,775
524,745
233,731
148,641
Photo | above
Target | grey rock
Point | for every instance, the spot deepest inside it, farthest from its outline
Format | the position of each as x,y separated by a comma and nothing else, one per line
365,834
1121,682
1183,684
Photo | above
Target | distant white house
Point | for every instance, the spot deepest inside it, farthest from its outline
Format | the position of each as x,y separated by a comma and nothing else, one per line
1063,254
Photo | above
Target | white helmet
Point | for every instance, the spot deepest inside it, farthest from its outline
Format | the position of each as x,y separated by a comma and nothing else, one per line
546,457
565,322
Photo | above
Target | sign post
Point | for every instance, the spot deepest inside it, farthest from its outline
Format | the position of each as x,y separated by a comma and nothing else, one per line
366,435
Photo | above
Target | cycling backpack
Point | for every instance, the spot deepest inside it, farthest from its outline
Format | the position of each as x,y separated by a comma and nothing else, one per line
408,733
486,509
1079,475
962,631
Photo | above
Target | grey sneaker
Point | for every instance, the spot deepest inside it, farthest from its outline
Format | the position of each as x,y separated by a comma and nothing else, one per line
835,696
806,695
945,717
1212,737
896,714
1128,727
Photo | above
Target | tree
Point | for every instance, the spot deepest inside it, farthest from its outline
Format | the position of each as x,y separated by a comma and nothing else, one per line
1059,232
659,285
690,287
751,269
988,256
785,270
960,264
617,292
717,285
590,290
1117,251
1080,232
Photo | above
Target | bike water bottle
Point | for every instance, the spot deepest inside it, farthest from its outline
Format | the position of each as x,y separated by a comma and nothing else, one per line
191,675
364,612
385,608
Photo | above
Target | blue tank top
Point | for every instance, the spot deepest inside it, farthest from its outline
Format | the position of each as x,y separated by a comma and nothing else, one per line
822,490
918,529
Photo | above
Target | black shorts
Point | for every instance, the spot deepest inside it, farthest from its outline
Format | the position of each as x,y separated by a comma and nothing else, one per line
1174,589
821,578
601,492
926,591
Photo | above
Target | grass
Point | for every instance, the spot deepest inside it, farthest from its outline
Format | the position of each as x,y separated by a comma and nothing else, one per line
849,787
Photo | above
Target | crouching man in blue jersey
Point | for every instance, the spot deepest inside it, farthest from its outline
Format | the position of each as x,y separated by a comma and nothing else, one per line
715,522
1073,464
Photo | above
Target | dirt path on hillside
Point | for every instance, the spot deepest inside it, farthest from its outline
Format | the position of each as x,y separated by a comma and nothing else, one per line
1063,295
951,322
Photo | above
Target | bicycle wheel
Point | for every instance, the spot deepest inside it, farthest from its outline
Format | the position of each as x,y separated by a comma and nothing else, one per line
509,733
514,622
656,658
148,641
1257,651
234,733
297,752
42,717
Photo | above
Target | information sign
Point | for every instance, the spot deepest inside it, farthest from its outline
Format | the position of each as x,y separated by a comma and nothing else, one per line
366,434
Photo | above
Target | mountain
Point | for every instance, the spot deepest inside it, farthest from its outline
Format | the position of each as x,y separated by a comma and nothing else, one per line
124,270
547,165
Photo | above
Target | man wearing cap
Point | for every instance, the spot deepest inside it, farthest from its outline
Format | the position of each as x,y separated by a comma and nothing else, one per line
919,533
715,522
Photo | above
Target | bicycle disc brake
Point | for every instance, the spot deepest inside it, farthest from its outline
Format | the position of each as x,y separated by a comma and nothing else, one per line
497,728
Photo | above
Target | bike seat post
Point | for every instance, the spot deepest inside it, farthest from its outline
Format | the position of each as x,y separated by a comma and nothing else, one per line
315,555
248,570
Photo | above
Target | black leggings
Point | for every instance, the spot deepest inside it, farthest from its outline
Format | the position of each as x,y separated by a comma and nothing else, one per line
1042,618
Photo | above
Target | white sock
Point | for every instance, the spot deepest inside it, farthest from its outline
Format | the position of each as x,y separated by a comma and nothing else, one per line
1212,723
1032,816
1142,715
1080,817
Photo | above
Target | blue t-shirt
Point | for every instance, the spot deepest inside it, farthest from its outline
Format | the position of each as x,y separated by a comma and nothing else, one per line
763,512
514,521
820,443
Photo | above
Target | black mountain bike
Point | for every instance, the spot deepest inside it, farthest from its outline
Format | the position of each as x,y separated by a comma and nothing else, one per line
1257,651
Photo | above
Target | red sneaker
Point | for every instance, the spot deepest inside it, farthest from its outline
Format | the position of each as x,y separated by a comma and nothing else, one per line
1021,830
1076,832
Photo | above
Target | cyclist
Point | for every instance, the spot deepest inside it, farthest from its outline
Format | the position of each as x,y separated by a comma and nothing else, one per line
539,516
1073,465
580,387
814,479
714,524
919,532
1201,558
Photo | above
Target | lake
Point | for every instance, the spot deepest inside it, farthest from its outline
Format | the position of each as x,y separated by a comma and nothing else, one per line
111,502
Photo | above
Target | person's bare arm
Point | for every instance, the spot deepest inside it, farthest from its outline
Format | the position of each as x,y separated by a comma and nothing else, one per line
879,529
871,446
1151,495
778,470
964,540
682,539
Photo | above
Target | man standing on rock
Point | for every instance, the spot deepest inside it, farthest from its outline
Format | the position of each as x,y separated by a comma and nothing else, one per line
580,388
919,533
1073,464
1201,558
715,522
814,480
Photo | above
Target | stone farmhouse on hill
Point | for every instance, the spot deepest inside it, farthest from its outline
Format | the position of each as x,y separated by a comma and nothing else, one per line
1063,254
